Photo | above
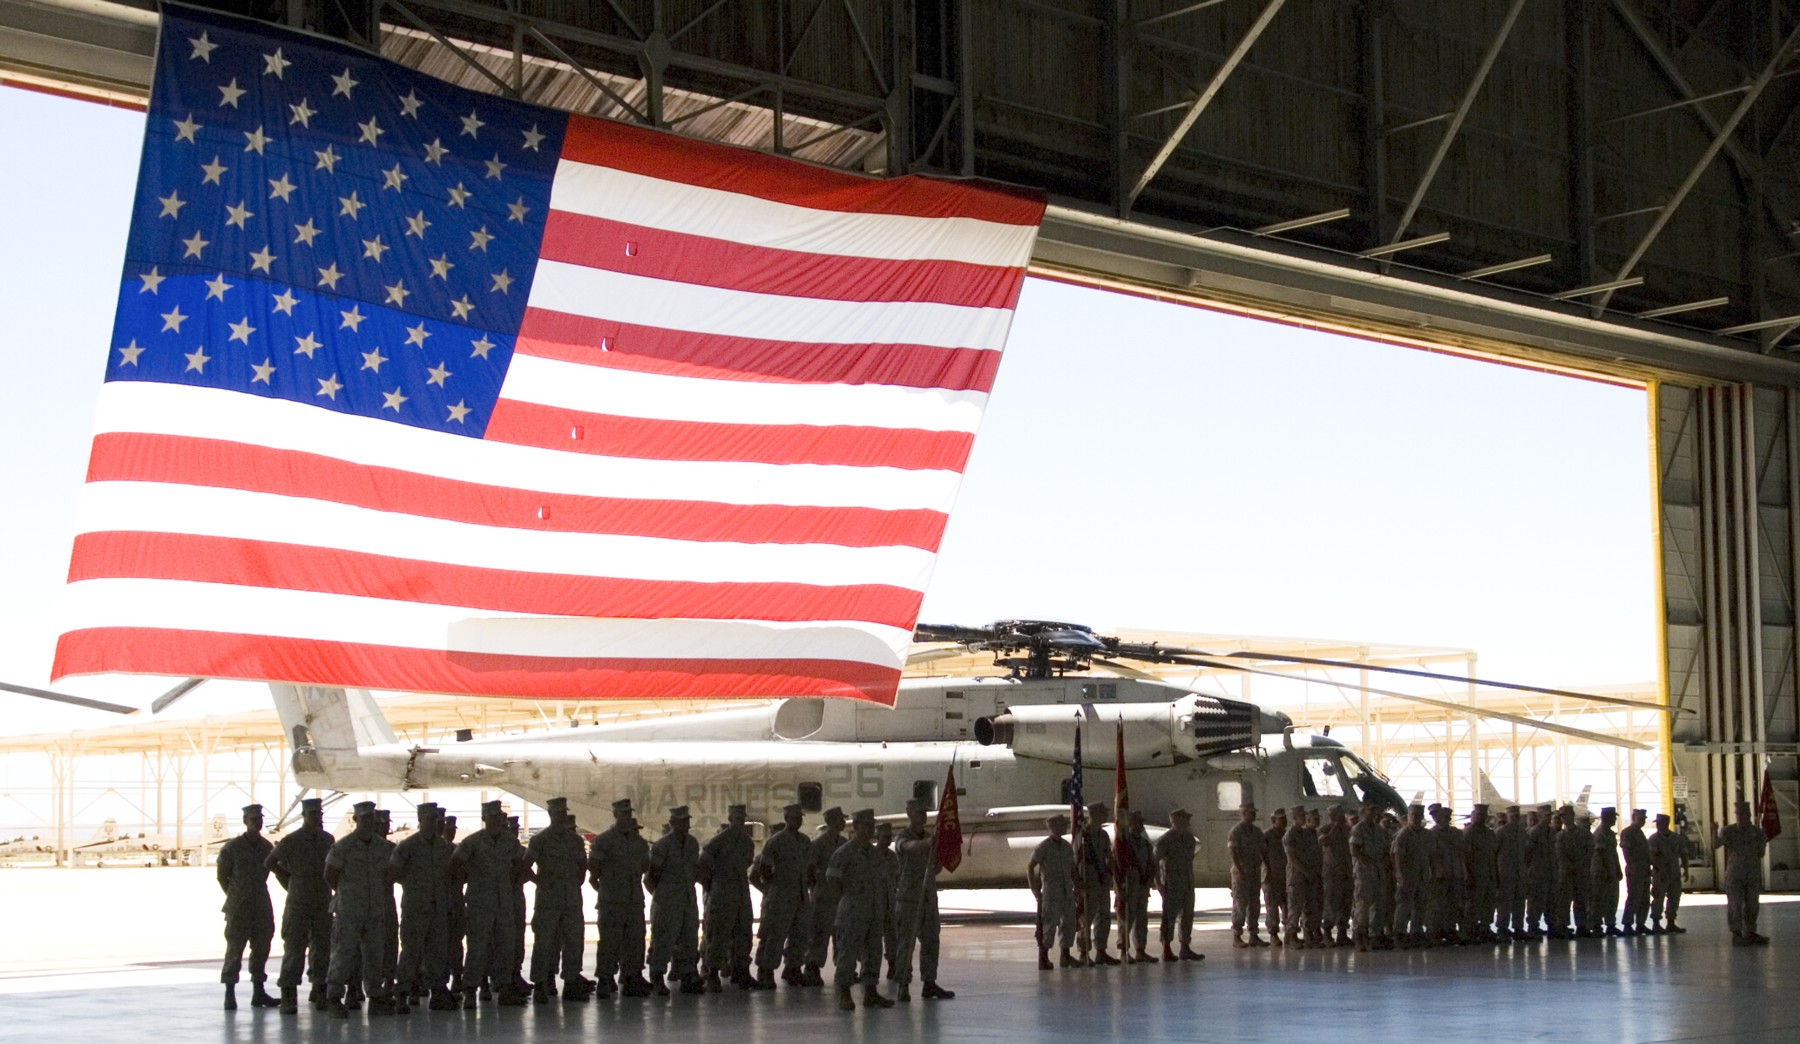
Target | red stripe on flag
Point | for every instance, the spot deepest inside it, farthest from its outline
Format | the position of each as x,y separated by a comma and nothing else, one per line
145,650
136,457
594,242
648,349
643,438
294,567
664,156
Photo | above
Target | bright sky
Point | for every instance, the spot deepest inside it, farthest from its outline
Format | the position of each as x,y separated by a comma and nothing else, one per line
1141,464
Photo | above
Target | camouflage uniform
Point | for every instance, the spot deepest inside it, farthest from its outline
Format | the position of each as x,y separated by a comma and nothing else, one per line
1540,875
249,918
1305,865
1480,845
619,858
822,902
491,863
1636,852
422,865
1274,889
783,934
1509,875
1604,868
298,861
857,935
1339,883
1055,859
1174,853
1368,848
1666,850
1245,843
1412,866
558,857
728,855
363,905
916,923
674,918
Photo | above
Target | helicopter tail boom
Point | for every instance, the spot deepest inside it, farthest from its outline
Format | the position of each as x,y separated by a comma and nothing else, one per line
332,731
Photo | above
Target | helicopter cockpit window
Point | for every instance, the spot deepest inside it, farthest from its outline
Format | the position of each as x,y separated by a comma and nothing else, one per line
1099,691
925,790
812,796
1231,795
1321,777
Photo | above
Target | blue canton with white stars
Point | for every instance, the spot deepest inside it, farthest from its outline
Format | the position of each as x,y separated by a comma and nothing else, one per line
317,224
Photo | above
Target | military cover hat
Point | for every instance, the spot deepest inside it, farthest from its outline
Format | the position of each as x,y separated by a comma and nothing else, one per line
1741,806
449,820
1299,810
737,810
916,805
1180,813
1478,812
427,810
363,808
1279,812
835,810
1415,808
793,810
513,822
490,808
312,804
557,804
679,812
252,810
623,805
1512,810
864,815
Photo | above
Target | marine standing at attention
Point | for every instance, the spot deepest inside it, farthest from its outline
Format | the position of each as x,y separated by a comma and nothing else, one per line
1636,851
298,863
1509,874
856,945
1245,844
557,856
243,873
618,861
1339,883
1051,875
1305,862
823,897
1744,844
1368,850
1667,849
780,873
421,865
916,923
1096,883
724,872
1174,853
357,869
1274,890
674,919
488,861
1604,868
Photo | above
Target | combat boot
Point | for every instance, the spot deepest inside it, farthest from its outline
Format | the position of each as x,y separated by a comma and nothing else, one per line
443,1000
845,1001
469,1001
1143,957
540,994
933,991
765,979
510,996
1256,940
1237,941
381,1005
259,997
1044,959
904,994
334,1007
230,997
1105,959
1067,959
317,998
713,985
872,998
1169,953
693,983
290,1001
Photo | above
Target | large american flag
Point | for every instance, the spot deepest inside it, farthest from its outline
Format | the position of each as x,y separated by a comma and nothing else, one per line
417,388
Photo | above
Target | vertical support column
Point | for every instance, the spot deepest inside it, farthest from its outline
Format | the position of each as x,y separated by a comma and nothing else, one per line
1579,14
1115,102
965,86
1474,740
1374,119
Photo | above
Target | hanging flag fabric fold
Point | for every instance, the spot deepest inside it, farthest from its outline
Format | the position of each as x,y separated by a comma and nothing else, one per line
413,387
947,842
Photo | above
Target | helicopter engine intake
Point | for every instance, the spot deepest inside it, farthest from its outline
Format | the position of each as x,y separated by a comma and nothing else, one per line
1192,727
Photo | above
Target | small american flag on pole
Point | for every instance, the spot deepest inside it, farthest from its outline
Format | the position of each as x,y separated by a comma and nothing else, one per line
418,388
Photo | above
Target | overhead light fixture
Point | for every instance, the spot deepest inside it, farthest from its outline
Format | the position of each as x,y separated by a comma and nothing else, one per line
1766,324
1691,306
1599,288
1405,244
1508,266
1302,222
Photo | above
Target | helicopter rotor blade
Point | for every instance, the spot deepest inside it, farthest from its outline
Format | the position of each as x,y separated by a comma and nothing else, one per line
167,699
928,655
1516,719
1153,652
63,697
1124,671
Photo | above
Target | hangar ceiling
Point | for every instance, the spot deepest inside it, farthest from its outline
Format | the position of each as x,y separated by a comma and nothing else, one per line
1607,181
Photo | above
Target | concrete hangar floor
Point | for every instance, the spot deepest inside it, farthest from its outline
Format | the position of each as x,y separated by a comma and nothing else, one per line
111,955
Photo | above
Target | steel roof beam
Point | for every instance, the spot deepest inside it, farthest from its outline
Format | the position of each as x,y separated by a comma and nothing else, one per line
1721,138
1456,121
1200,102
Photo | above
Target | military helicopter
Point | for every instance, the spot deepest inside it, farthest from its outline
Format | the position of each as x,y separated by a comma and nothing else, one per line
1011,739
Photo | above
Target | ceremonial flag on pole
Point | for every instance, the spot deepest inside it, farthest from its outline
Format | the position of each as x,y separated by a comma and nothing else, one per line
1766,810
947,841
413,387
1122,860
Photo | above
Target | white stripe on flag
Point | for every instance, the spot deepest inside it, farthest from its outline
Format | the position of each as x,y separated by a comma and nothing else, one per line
619,297
629,393
172,409
161,507
418,625
636,199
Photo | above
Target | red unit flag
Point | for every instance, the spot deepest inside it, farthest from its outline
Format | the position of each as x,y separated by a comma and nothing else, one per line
947,844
